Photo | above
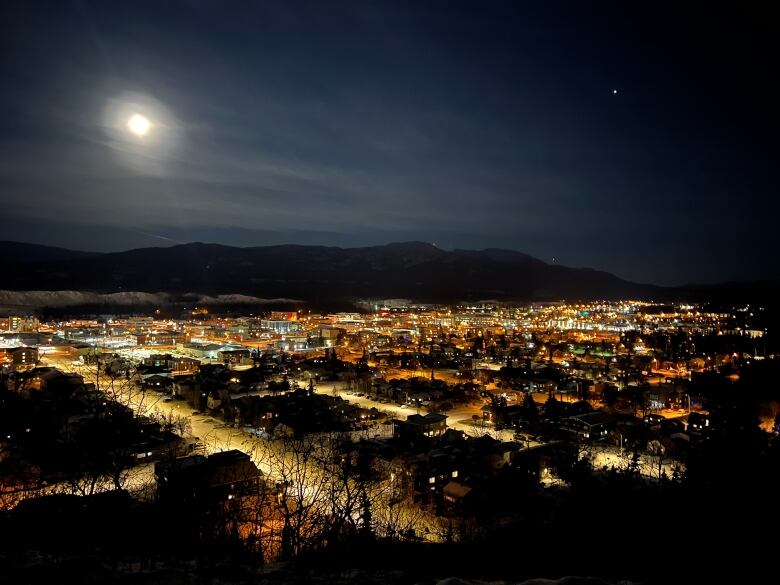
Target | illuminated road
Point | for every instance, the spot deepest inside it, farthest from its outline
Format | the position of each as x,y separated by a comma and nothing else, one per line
459,418
215,436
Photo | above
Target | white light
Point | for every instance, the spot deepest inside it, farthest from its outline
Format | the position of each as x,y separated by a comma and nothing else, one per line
614,92
139,125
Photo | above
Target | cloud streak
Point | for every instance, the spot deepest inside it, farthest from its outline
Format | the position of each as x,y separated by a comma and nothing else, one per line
478,127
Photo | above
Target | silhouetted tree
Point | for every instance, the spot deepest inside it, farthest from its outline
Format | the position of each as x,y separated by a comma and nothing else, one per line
530,410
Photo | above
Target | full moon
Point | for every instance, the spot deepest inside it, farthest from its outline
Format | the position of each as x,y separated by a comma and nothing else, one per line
139,125
141,132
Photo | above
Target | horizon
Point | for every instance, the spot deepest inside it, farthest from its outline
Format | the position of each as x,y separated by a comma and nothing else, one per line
385,244
561,130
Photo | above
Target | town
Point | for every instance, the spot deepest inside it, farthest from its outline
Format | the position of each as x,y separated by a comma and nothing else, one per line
405,421
388,293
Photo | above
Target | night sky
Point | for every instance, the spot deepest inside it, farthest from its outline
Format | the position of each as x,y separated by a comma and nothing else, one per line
483,124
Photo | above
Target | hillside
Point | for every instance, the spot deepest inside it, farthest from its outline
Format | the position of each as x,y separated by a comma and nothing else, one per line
412,270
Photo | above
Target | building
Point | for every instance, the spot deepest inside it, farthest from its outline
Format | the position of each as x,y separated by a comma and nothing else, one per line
202,351
17,324
175,365
157,338
292,343
234,356
218,477
19,358
591,426
281,326
50,380
416,426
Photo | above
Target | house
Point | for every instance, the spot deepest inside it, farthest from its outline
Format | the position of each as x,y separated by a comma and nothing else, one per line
154,443
416,426
175,365
216,478
456,497
300,412
50,380
426,473
592,426
547,459
503,454
161,382
192,391
699,422
543,385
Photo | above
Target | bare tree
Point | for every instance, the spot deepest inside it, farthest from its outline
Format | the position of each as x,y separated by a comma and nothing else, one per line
320,495
395,513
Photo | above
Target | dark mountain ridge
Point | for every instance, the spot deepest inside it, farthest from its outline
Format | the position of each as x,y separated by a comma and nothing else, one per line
23,252
414,270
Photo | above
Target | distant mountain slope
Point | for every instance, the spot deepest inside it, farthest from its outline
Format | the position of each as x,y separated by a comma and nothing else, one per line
14,252
408,270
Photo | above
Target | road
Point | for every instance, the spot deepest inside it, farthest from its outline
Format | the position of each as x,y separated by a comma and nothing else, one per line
459,418
269,456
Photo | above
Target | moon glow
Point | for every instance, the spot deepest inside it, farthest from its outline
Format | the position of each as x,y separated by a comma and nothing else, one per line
139,125
142,132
